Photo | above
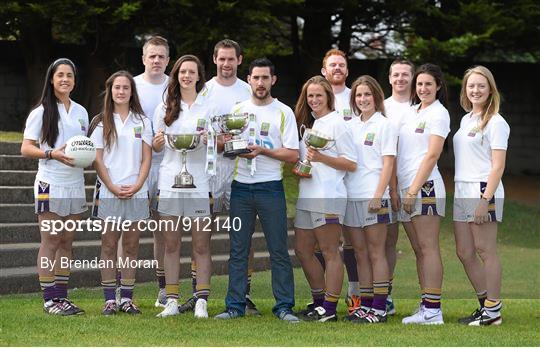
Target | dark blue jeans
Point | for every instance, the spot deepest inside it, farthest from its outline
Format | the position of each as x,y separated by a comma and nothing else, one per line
266,200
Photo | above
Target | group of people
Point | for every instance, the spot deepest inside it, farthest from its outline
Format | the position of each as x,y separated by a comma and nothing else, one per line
381,169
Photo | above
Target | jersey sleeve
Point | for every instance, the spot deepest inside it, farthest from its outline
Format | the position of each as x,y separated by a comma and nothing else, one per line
440,123
158,118
34,122
388,139
147,131
499,132
344,141
97,136
289,132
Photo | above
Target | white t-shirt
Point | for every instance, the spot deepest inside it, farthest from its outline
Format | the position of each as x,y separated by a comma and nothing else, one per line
395,111
472,146
224,98
150,96
123,158
373,140
192,119
71,123
342,103
414,133
275,128
320,192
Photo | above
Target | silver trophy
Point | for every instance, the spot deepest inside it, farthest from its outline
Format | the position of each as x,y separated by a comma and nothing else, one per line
233,124
183,143
315,140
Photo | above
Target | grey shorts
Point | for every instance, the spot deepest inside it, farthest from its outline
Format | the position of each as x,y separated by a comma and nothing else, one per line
431,200
357,214
309,220
194,204
60,200
467,196
107,205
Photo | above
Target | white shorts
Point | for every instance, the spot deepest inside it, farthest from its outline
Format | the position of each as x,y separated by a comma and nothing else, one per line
431,200
467,196
183,204
309,220
152,183
221,184
60,200
106,204
357,214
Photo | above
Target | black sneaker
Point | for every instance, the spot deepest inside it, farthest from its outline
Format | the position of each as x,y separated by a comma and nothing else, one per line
474,316
129,308
303,312
251,308
319,314
110,308
485,320
71,308
188,306
54,307
357,314
370,318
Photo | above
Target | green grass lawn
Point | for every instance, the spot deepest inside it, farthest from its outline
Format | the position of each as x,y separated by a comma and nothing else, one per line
10,136
23,322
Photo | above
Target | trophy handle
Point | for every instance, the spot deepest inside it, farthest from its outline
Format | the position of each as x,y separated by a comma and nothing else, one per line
302,130
329,145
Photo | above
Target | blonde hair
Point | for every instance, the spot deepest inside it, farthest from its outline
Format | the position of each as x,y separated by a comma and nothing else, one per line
491,107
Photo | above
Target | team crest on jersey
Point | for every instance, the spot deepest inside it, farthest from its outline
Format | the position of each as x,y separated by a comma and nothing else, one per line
83,126
473,131
369,139
265,128
138,132
347,114
421,127
201,124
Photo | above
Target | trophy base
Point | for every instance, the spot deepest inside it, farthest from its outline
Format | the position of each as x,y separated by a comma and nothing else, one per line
234,153
180,186
183,181
302,170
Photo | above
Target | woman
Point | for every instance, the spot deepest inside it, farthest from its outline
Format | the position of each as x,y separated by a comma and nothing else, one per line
59,186
123,140
367,211
322,198
480,149
186,110
421,138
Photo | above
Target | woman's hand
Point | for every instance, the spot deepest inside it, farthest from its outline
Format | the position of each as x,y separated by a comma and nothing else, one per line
481,212
409,202
375,205
60,156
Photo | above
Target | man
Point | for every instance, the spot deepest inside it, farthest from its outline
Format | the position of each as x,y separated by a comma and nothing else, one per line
335,70
151,85
400,76
224,91
257,190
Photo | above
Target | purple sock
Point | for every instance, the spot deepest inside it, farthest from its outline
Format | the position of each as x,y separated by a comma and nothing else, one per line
379,302
330,307
109,294
61,291
49,293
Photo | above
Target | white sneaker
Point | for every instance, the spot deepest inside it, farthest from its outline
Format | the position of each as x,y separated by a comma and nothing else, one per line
117,296
171,308
201,308
161,300
426,316
418,309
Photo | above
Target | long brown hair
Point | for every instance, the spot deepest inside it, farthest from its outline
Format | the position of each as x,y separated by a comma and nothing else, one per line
302,109
174,93
491,107
109,130
376,90
437,74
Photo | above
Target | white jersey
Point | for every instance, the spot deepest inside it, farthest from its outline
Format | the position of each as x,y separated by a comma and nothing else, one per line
275,127
342,103
473,146
395,111
224,98
123,158
373,140
150,96
321,192
416,128
71,123
192,119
